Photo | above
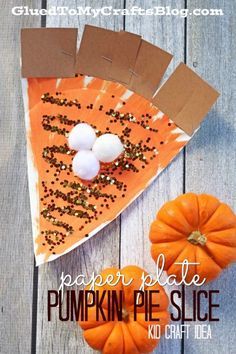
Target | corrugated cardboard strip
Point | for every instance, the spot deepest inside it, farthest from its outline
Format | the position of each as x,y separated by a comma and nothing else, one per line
48,52
123,57
185,98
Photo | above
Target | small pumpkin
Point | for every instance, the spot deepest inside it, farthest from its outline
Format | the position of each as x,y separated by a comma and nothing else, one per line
125,336
198,228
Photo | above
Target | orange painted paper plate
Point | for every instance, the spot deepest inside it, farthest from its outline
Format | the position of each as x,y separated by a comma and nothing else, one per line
66,211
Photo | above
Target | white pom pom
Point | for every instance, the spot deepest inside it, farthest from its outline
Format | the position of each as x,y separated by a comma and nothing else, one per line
85,165
81,137
107,147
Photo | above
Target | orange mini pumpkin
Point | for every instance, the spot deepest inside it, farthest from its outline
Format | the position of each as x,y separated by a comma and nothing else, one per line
125,336
198,228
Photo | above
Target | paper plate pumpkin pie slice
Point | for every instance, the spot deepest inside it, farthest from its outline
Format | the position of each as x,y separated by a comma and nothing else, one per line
67,210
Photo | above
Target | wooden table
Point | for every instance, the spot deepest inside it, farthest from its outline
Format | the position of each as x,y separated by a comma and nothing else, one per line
207,44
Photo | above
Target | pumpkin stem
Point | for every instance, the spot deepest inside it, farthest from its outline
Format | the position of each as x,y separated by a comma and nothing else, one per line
196,238
125,315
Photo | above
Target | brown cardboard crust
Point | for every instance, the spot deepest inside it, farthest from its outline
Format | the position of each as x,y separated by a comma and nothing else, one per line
150,66
121,56
124,53
107,54
185,98
48,52
94,58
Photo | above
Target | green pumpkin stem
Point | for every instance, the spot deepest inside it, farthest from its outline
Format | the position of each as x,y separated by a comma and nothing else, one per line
125,315
196,238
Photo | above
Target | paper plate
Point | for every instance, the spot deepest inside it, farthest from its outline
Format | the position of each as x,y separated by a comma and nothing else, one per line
66,211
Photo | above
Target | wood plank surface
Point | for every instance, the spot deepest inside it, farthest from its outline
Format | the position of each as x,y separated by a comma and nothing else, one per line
16,258
167,33
210,156
97,253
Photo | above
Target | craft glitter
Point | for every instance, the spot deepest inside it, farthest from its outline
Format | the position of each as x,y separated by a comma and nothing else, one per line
77,193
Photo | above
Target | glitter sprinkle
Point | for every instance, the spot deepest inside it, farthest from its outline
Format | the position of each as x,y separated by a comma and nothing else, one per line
67,195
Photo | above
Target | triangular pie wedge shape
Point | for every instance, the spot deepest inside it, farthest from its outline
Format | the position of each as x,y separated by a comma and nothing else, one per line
66,211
